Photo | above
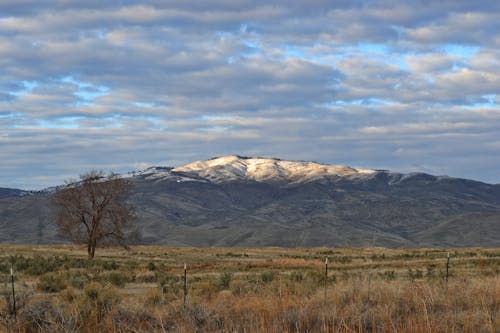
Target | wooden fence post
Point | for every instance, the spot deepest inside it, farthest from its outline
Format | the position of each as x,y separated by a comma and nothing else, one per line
326,275
447,268
185,283
14,309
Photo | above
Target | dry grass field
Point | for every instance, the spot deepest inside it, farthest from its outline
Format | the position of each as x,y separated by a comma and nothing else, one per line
249,290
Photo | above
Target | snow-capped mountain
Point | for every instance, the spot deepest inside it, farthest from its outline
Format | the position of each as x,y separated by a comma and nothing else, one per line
246,201
234,168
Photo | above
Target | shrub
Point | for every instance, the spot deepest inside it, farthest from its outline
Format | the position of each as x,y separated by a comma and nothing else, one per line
154,297
389,275
151,266
297,276
147,277
110,265
225,280
117,279
316,277
415,274
43,316
136,320
78,279
341,259
6,308
69,295
98,300
51,283
430,270
35,266
267,277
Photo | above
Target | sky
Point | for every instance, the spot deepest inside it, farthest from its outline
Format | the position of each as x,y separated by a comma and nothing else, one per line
409,86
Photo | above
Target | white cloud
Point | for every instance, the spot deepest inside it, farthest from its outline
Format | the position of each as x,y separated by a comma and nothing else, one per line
108,85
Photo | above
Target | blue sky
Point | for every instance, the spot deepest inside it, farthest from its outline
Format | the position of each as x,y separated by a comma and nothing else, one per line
410,86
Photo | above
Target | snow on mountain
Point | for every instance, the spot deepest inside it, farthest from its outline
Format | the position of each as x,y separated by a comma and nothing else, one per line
161,174
237,168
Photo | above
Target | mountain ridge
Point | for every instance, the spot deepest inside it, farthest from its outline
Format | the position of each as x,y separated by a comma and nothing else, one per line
245,201
198,173
10,192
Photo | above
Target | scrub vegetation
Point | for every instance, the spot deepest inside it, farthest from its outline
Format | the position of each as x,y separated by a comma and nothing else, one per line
249,290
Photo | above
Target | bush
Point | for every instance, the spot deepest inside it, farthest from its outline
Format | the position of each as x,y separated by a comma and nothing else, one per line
51,283
117,279
136,320
69,295
35,266
6,308
154,297
267,277
98,300
389,275
415,274
147,277
316,277
110,265
44,316
297,276
225,280
151,266
79,279
430,271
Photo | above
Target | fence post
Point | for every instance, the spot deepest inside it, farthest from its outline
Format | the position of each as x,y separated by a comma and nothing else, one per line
14,309
447,268
326,275
185,283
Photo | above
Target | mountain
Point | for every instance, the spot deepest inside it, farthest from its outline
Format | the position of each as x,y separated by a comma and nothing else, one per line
265,170
9,192
244,201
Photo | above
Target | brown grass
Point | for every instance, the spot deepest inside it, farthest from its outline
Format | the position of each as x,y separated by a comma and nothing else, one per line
264,290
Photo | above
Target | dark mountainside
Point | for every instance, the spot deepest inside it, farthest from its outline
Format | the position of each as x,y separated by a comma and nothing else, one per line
196,209
9,192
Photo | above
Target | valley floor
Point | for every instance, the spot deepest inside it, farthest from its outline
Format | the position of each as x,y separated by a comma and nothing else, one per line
249,290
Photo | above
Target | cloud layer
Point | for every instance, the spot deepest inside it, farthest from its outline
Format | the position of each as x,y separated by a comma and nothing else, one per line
407,86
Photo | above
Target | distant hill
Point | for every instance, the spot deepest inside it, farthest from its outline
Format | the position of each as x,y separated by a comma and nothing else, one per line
243,201
9,192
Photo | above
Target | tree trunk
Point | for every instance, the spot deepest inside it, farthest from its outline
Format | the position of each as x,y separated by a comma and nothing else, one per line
91,250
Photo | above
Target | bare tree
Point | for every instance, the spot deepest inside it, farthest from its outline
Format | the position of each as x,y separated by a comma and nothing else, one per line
93,211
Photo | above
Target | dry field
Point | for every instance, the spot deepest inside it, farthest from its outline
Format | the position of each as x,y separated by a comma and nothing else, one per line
249,290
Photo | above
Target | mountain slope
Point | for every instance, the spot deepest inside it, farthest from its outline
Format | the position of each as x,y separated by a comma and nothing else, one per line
9,192
27,219
236,168
239,201
334,211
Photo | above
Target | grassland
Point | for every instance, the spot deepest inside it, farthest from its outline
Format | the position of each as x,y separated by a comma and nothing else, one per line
249,290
